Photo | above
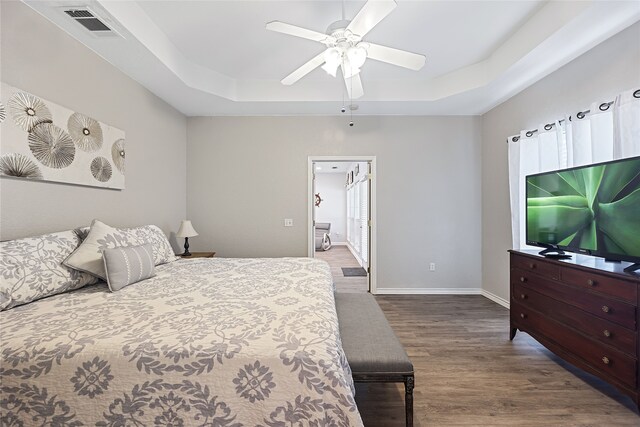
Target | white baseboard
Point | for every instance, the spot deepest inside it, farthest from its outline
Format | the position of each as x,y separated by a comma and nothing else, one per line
443,291
429,291
354,253
495,298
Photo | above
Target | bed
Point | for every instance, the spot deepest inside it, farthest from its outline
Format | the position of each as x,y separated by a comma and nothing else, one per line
217,342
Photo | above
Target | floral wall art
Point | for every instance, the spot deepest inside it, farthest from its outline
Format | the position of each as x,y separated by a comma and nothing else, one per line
41,140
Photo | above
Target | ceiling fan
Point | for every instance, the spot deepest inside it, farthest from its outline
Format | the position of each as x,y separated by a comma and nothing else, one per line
345,48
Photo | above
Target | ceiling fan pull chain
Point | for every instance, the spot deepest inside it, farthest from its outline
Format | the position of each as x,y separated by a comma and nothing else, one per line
344,108
350,104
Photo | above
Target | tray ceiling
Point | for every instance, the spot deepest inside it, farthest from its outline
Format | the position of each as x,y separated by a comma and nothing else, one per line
216,58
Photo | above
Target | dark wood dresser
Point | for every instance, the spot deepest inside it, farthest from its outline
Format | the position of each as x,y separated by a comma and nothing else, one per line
584,309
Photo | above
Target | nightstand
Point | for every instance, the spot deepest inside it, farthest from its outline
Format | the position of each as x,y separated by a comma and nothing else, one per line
199,255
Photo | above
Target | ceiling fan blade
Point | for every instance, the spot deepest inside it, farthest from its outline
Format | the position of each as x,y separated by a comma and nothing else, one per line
354,86
305,69
371,13
393,56
293,30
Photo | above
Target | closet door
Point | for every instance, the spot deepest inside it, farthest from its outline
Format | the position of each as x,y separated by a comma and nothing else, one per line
356,218
350,215
364,221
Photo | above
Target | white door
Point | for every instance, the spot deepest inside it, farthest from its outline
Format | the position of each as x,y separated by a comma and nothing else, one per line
360,229
363,192
313,208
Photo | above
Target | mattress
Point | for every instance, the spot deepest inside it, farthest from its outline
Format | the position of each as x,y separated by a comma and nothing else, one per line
218,342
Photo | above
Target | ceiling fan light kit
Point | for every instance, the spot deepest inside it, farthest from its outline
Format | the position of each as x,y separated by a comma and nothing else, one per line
332,60
345,48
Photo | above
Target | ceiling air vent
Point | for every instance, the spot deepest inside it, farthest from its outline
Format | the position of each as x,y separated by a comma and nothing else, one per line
91,22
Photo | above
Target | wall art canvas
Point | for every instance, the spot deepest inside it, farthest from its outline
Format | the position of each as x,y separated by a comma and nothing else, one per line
41,140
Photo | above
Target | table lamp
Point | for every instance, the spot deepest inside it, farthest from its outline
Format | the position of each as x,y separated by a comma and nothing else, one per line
186,230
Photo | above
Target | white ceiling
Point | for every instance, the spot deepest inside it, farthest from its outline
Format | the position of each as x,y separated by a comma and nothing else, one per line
216,58
332,167
230,37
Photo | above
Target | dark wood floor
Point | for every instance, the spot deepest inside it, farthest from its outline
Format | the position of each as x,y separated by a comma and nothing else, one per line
468,373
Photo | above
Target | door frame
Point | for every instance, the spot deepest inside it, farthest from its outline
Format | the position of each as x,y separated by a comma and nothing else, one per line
373,249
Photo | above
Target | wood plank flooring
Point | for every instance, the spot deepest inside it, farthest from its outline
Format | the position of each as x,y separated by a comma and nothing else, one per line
338,257
468,373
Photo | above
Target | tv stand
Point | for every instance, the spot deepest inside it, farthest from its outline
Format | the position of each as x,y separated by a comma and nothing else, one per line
632,268
555,253
588,315
584,310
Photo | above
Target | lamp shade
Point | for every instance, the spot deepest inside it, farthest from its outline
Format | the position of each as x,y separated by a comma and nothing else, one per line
357,55
332,58
186,229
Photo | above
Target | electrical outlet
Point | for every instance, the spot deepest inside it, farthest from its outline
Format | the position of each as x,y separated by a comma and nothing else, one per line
432,266
288,222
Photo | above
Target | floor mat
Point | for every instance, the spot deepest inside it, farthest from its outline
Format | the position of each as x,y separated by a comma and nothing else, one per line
353,271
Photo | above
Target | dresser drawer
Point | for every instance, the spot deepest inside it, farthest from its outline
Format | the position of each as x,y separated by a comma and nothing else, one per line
601,357
600,283
601,330
538,266
612,310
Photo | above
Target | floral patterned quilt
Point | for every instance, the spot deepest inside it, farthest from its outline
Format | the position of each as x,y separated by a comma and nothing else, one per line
206,342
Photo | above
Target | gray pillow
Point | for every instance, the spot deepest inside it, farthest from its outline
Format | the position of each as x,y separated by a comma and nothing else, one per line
32,268
162,250
127,265
88,256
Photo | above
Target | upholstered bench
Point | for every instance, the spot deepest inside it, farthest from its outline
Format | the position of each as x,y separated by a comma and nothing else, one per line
371,347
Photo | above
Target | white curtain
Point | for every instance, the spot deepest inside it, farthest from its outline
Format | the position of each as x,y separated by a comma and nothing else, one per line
626,124
530,153
589,136
607,131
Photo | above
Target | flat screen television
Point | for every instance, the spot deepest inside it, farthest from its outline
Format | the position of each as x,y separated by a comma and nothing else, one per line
593,210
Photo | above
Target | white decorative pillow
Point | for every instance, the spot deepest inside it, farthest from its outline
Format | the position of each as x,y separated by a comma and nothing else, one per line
32,268
88,256
127,265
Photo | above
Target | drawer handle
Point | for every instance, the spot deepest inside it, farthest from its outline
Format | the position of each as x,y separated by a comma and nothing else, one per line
606,333
522,315
523,279
523,296
591,282
606,360
606,309
532,266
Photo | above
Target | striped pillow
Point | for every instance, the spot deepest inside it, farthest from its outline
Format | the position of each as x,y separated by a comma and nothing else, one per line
127,265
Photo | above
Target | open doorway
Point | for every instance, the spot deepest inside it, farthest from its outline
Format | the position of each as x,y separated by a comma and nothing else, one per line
342,219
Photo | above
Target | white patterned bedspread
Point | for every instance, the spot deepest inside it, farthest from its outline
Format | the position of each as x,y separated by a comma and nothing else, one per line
215,342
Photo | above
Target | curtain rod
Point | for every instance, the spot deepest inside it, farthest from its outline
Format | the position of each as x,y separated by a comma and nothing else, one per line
580,115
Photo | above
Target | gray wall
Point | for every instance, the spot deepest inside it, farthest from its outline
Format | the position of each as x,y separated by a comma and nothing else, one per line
598,75
246,174
40,58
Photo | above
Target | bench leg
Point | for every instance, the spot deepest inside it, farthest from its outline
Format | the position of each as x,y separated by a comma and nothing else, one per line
408,399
